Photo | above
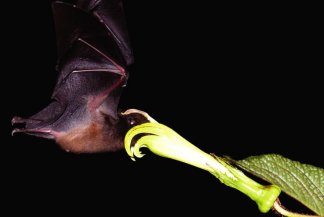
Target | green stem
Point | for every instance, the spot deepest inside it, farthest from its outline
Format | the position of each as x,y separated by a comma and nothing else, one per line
165,142
283,211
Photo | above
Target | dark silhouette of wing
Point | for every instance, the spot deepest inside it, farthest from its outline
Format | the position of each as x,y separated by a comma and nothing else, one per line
93,55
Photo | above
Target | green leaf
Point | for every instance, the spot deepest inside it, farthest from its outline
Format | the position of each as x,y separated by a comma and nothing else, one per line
303,182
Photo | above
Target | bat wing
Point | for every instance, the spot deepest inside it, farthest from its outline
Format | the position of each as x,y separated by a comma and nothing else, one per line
93,55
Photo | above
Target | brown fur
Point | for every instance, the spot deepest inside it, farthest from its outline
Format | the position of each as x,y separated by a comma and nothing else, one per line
88,139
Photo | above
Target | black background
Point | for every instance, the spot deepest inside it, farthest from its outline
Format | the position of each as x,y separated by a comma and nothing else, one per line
235,80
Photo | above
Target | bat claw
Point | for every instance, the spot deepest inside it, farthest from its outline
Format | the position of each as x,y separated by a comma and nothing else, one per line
20,120
16,130
45,133
17,120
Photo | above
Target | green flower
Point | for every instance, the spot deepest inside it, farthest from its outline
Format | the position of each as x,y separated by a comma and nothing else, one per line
163,141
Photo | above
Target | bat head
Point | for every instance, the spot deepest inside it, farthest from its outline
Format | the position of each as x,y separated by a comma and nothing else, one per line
82,131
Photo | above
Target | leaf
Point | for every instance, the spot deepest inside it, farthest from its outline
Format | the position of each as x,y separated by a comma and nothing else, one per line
303,182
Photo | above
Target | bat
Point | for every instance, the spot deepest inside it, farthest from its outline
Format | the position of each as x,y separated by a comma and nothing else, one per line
94,55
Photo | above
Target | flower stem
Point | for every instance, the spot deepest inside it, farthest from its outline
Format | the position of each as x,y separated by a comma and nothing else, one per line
283,211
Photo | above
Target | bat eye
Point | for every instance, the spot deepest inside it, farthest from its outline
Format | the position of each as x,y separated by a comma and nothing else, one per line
135,119
131,121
